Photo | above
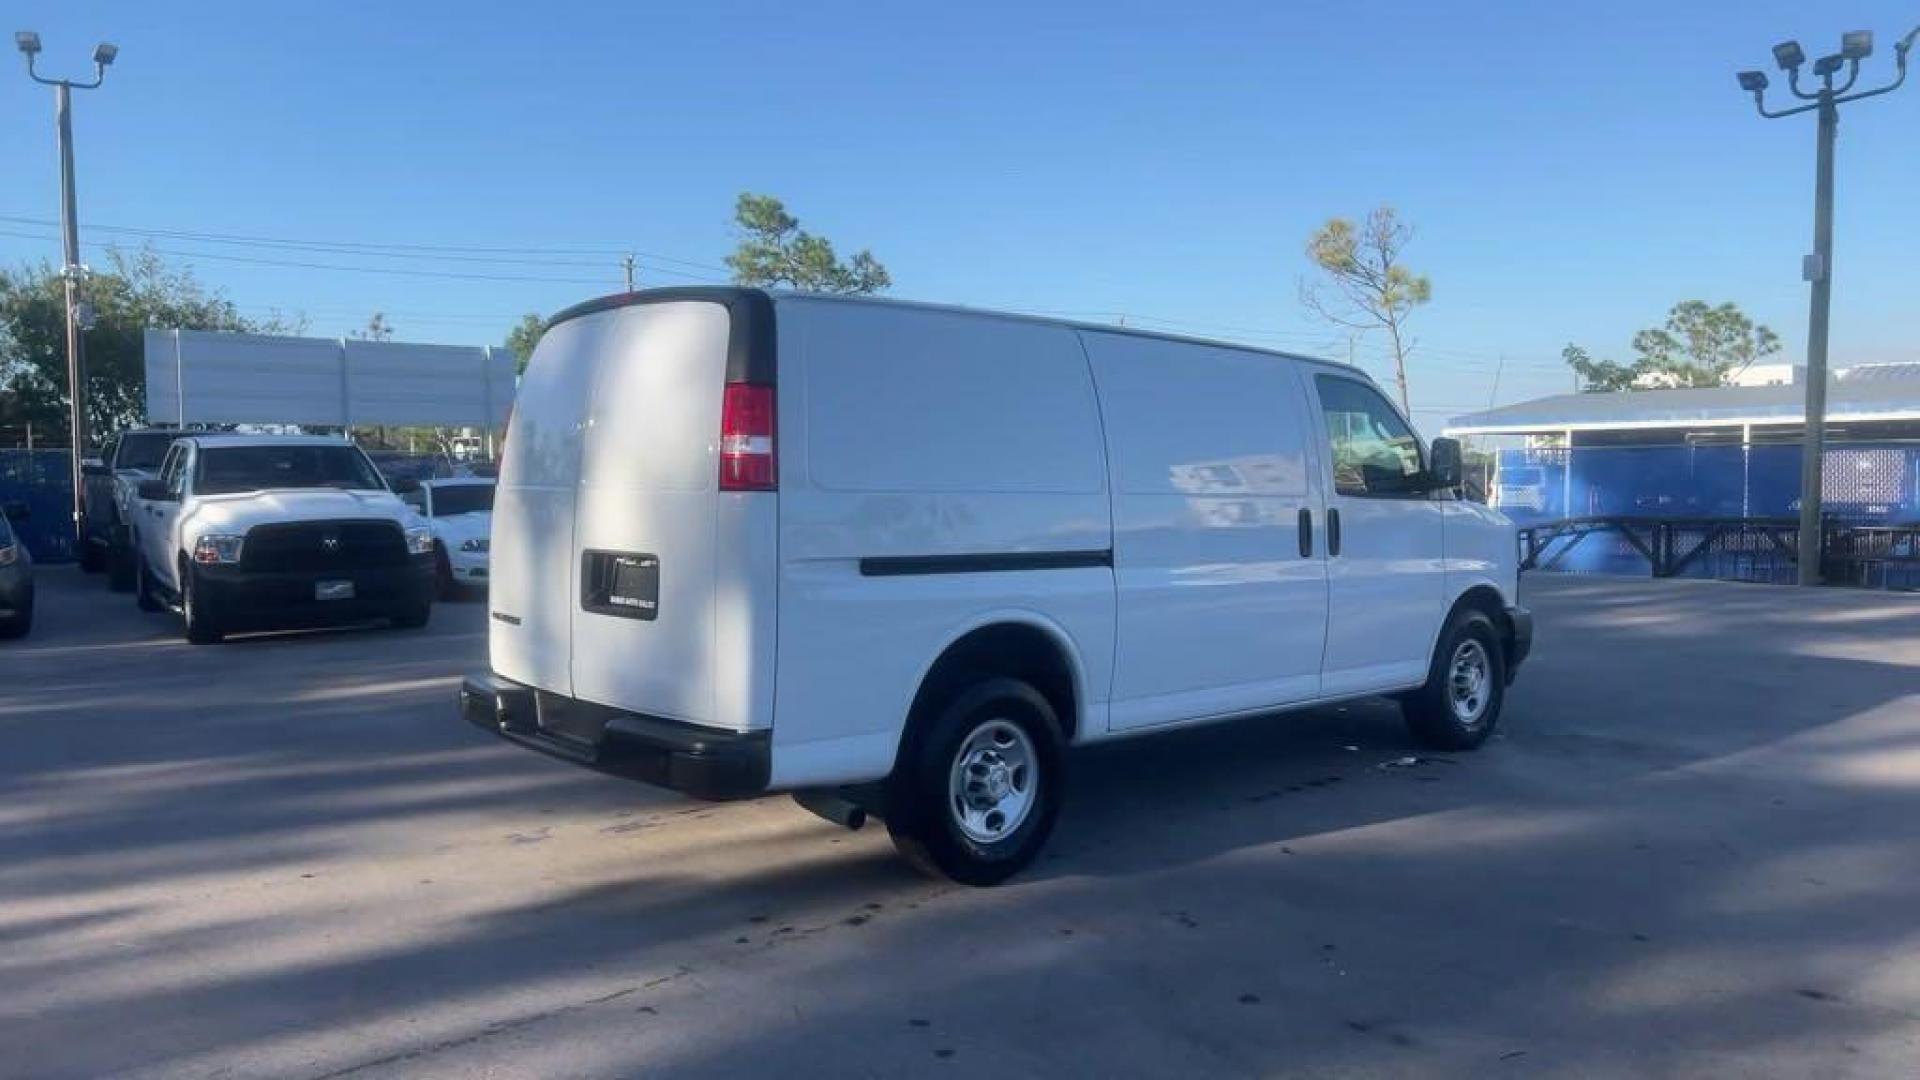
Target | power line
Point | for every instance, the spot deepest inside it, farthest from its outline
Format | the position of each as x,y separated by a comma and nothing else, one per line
435,252
389,270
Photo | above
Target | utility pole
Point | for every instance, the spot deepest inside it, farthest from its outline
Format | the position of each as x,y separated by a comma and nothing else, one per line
1855,46
71,271
627,263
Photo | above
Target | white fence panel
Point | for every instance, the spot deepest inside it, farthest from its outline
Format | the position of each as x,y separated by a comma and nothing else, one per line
201,377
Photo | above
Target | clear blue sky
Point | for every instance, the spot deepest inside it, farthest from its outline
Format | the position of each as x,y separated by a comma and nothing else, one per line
1573,169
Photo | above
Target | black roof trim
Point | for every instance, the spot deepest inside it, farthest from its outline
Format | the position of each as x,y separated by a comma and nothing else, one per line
750,348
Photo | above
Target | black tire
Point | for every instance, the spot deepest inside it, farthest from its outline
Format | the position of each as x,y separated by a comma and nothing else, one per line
143,594
201,624
120,568
92,556
20,623
415,617
1446,716
924,811
444,586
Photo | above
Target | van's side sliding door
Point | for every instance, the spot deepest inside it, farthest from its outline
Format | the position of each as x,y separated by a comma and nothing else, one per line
1222,603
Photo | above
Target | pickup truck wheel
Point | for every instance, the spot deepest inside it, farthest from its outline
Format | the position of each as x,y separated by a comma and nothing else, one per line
92,558
20,622
443,584
143,592
1466,686
120,567
978,785
202,626
415,617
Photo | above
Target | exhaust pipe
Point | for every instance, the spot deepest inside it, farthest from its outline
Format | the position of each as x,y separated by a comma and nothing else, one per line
834,807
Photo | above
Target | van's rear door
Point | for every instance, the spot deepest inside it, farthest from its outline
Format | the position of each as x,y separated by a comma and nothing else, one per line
646,523
530,595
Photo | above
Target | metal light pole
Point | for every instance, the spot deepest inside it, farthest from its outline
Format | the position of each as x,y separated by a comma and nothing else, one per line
1855,46
70,269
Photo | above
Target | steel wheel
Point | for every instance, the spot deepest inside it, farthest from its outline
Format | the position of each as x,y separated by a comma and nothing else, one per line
1469,682
995,781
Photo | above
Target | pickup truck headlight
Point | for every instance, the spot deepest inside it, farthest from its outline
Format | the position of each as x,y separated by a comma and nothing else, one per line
477,543
420,540
217,548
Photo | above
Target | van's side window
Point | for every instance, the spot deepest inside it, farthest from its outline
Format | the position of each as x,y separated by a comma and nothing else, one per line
1374,452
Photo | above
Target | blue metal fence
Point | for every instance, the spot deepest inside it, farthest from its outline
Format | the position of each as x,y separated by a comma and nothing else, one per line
1868,482
42,480
1714,510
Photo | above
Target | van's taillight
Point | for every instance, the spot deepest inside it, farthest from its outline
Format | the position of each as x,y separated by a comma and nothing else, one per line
746,438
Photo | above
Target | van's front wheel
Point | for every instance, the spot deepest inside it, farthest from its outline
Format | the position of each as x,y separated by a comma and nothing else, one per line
975,793
1466,686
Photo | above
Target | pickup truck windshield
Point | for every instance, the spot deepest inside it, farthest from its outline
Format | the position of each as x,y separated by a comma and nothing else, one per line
227,469
451,499
143,449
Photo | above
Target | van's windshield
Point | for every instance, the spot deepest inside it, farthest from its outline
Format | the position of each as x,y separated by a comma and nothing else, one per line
227,469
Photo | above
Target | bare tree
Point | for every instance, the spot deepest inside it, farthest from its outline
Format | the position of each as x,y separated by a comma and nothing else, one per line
377,328
1365,287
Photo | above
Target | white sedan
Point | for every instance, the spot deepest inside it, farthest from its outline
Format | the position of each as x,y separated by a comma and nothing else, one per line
460,512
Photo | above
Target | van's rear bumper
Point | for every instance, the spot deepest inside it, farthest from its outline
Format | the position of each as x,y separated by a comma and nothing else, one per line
704,762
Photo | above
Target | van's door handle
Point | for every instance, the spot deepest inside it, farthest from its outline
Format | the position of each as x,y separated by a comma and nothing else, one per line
1306,533
1333,531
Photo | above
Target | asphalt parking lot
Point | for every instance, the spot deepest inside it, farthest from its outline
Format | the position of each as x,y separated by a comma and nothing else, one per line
1695,851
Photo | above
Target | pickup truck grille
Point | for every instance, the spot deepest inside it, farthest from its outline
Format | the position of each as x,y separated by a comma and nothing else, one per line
322,546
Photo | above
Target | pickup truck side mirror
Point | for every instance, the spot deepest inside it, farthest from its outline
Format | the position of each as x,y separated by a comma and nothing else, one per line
14,510
155,491
1443,465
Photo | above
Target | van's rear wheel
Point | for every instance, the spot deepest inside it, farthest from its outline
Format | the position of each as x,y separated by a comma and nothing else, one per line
975,793
1460,703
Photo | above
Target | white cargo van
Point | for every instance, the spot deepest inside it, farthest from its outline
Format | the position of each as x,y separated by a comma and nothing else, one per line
895,558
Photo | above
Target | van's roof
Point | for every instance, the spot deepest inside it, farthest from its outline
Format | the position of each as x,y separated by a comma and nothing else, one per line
732,294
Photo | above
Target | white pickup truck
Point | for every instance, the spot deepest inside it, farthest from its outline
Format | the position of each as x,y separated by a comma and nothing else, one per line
108,491
243,532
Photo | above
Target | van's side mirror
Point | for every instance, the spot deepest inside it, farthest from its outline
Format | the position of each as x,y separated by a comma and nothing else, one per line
15,510
403,485
1444,464
155,491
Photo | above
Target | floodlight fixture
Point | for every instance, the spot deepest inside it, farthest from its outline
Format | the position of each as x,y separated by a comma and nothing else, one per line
1789,55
